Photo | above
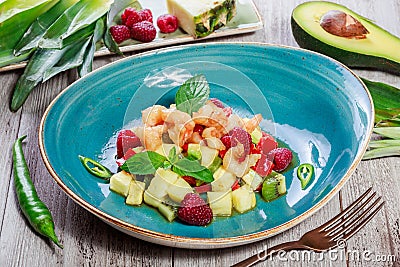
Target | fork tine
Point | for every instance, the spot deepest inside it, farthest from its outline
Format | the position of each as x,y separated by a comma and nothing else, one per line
344,212
351,222
364,222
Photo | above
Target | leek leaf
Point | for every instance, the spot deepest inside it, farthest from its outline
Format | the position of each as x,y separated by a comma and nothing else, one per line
75,18
7,57
12,29
113,18
384,143
38,28
382,152
389,132
12,8
386,100
86,65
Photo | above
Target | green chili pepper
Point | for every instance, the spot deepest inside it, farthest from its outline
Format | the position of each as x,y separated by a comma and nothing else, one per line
304,173
97,170
32,207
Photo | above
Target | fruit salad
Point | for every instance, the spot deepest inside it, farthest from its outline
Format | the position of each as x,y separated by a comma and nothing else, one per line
196,159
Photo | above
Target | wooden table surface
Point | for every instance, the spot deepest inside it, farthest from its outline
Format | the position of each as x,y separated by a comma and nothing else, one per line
90,242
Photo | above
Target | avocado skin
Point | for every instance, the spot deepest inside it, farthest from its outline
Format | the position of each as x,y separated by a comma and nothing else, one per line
351,59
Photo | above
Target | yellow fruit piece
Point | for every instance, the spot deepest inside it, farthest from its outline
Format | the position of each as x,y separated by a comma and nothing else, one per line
220,203
135,195
120,182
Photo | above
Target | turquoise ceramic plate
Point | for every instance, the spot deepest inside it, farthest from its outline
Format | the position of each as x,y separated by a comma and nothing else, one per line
313,104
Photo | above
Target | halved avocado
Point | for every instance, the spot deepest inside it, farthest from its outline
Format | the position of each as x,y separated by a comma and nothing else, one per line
378,49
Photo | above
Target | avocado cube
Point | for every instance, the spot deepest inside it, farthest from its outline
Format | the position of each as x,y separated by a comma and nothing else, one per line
194,150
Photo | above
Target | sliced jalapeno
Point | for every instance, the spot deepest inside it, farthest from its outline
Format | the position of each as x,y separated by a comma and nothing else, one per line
305,172
97,169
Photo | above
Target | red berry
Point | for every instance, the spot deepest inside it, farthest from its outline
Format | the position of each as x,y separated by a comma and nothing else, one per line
222,153
194,210
203,188
254,149
185,147
199,129
167,23
239,135
227,141
133,18
143,31
264,166
120,33
227,111
126,139
266,143
146,15
217,102
190,180
127,13
235,185
282,158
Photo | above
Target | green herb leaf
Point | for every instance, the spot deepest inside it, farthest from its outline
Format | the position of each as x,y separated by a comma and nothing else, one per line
172,156
144,163
192,94
384,143
188,165
204,175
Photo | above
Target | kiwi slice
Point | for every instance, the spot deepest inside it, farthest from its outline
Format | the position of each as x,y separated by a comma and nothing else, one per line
273,187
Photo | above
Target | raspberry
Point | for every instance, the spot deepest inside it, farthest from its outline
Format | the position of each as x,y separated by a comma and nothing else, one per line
126,139
146,15
239,135
167,23
194,210
120,33
226,140
128,12
217,102
133,18
281,157
143,31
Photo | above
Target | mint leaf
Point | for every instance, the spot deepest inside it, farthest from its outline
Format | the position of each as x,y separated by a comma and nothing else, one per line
204,175
144,163
188,165
192,94
172,157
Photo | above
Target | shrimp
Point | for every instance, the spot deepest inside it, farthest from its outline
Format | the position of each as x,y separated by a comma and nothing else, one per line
211,132
152,116
151,137
211,116
179,125
251,124
234,121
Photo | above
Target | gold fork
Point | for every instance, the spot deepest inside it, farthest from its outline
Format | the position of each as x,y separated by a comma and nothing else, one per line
328,235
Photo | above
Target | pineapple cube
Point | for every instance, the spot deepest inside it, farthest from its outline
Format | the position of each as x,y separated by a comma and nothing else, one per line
223,180
159,184
150,200
120,182
164,149
208,155
179,189
220,203
243,199
253,179
135,195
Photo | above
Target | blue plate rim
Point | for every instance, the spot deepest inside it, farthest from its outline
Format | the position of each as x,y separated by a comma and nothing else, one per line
203,243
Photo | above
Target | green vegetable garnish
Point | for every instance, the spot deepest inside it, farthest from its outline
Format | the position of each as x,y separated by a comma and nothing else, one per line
96,169
192,94
305,172
32,207
144,163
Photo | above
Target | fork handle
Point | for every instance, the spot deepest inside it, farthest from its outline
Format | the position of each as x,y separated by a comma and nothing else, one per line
263,255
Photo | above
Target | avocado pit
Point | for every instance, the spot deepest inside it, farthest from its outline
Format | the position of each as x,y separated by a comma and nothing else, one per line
341,24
